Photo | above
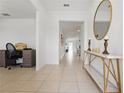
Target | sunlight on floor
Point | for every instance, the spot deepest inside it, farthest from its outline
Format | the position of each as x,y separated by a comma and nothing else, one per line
70,52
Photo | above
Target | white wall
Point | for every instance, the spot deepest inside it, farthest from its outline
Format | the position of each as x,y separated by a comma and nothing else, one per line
61,43
82,33
61,51
41,31
17,30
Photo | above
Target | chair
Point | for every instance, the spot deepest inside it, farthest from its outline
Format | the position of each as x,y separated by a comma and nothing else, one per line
12,55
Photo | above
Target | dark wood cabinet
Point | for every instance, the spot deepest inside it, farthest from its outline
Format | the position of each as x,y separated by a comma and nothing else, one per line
29,58
2,58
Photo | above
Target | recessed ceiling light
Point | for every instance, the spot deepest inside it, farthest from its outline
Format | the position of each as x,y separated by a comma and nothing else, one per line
66,5
5,14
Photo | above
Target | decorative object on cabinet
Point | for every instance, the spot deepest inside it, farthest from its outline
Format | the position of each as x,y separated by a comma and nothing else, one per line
62,36
20,46
89,43
105,46
62,39
97,50
102,19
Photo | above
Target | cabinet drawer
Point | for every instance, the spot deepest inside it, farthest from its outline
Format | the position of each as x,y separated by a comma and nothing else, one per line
2,57
27,52
2,54
27,56
27,65
27,60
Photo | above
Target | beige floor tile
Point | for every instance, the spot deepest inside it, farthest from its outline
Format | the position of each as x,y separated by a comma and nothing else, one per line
12,86
89,90
88,87
46,92
45,71
68,87
6,92
54,78
49,86
56,72
68,92
4,82
39,77
25,92
24,76
68,77
30,86
7,77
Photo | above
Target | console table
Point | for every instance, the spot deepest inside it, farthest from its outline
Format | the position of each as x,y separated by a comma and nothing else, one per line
102,80
29,58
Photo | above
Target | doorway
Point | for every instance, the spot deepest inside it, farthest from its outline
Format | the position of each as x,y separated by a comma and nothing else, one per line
71,40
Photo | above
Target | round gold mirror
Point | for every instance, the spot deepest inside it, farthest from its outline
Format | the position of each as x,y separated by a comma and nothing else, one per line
102,19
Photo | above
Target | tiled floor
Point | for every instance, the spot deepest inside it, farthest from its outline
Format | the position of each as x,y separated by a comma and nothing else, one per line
68,77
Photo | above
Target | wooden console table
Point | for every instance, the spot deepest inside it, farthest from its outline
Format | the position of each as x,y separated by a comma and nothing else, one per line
102,80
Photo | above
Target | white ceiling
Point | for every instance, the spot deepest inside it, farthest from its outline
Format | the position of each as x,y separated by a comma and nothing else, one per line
75,5
69,28
17,8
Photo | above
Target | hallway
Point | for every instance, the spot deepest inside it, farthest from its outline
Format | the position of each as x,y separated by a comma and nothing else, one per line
68,77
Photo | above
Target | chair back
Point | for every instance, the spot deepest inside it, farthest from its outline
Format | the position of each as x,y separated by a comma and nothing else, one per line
11,50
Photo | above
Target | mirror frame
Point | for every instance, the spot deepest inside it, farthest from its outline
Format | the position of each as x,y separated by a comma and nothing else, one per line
110,18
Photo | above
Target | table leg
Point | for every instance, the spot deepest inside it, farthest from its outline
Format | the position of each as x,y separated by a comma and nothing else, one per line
104,69
89,60
119,81
84,59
